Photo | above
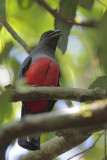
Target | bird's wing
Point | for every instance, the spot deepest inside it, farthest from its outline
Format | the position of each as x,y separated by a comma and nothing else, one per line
24,67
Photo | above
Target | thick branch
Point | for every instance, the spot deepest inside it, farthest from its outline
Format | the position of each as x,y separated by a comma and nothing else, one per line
87,116
60,145
76,94
51,149
63,19
15,35
83,123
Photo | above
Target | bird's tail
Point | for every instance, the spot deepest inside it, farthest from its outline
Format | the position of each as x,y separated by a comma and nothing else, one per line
30,143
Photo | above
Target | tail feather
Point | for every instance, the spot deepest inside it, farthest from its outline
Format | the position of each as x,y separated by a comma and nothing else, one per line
33,144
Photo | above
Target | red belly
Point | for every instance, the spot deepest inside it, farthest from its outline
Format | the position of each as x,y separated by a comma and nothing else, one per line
44,72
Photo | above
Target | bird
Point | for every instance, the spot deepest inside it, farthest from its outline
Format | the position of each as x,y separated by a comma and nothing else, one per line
40,69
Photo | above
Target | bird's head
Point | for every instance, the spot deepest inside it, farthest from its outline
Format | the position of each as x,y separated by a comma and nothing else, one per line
50,38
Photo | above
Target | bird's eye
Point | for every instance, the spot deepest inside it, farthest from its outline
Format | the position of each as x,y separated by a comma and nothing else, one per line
45,35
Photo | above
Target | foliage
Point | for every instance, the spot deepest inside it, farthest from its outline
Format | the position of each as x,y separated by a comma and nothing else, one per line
101,42
84,49
86,4
100,82
68,12
2,10
98,149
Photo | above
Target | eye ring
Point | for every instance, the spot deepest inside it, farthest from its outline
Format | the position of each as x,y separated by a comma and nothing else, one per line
45,35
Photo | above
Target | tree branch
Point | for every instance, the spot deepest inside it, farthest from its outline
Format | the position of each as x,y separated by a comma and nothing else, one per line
63,19
15,35
76,94
87,120
49,150
53,148
60,145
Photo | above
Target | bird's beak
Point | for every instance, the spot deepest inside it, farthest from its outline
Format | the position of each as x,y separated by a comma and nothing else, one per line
55,34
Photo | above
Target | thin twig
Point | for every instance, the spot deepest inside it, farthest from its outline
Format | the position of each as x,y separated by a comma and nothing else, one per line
87,150
15,35
63,19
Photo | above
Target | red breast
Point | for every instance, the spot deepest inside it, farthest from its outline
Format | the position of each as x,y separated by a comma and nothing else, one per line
44,72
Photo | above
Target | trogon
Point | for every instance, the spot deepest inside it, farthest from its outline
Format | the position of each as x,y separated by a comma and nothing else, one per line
40,69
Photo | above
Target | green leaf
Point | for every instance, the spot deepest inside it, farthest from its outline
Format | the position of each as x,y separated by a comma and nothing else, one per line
25,4
2,10
96,152
21,86
68,10
5,106
97,134
47,136
102,42
5,52
87,4
100,82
